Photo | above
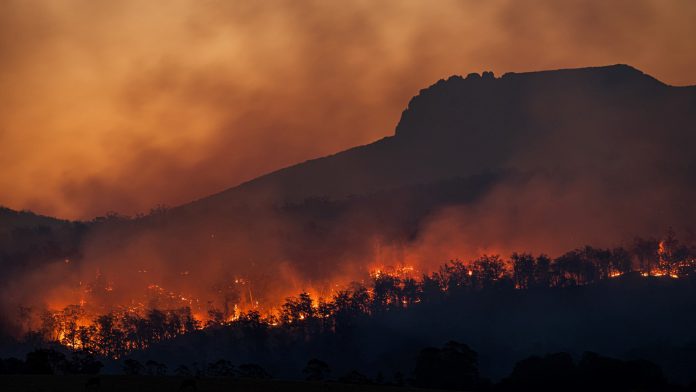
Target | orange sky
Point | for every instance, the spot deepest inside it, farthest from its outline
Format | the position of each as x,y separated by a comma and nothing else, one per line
119,106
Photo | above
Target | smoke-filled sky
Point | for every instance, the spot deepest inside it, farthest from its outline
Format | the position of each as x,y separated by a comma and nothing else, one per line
119,106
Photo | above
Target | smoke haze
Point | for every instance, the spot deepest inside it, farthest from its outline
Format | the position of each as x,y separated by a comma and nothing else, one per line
122,106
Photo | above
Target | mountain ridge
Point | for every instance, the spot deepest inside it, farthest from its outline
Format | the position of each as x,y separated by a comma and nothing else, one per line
286,183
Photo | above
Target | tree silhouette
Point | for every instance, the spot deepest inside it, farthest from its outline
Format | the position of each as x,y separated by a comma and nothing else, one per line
132,367
253,371
110,339
452,367
45,361
12,366
542,272
599,372
410,291
83,362
554,372
523,270
488,271
355,377
182,371
646,251
621,260
386,292
431,288
220,368
154,368
316,370
297,308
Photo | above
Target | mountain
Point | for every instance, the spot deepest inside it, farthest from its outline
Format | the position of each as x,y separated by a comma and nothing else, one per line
531,162
590,155
541,162
528,121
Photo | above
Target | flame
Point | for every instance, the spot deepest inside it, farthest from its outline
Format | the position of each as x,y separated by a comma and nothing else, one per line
74,318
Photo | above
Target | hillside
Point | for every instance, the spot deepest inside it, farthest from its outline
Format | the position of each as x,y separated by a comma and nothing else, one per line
570,157
539,162
527,121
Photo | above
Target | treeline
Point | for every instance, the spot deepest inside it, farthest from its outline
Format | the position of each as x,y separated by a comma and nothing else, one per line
453,366
113,334
50,361
303,317
29,240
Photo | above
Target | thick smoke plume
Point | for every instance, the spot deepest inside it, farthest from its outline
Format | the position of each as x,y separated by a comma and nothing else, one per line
123,106
539,162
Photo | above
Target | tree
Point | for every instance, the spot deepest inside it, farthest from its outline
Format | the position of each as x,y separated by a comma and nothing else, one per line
456,275
646,251
554,372
523,270
386,292
254,371
220,368
360,300
568,269
488,270
182,371
431,289
542,272
229,296
597,264
346,308
297,308
355,377
410,292
45,361
252,326
86,336
68,324
621,260
452,367
398,378
599,372
50,327
110,339
12,366
316,370
83,362
130,323
215,316
156,321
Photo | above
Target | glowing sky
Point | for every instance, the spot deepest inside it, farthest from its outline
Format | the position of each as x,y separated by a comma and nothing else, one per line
123,105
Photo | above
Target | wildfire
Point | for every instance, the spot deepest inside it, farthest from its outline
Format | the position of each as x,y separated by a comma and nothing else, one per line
394,272
162,313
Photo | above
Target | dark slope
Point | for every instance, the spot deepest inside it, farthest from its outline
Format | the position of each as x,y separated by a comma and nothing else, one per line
11,219
527,121
28,239
629,317
541,161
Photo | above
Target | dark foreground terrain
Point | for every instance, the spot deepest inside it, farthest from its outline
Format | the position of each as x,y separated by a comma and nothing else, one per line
40,383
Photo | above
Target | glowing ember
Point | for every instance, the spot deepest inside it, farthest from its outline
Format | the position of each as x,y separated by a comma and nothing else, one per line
98,319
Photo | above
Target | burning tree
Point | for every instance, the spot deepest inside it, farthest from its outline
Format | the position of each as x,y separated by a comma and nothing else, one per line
390,289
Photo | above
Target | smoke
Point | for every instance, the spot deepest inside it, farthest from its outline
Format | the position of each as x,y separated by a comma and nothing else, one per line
127,105
545,215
